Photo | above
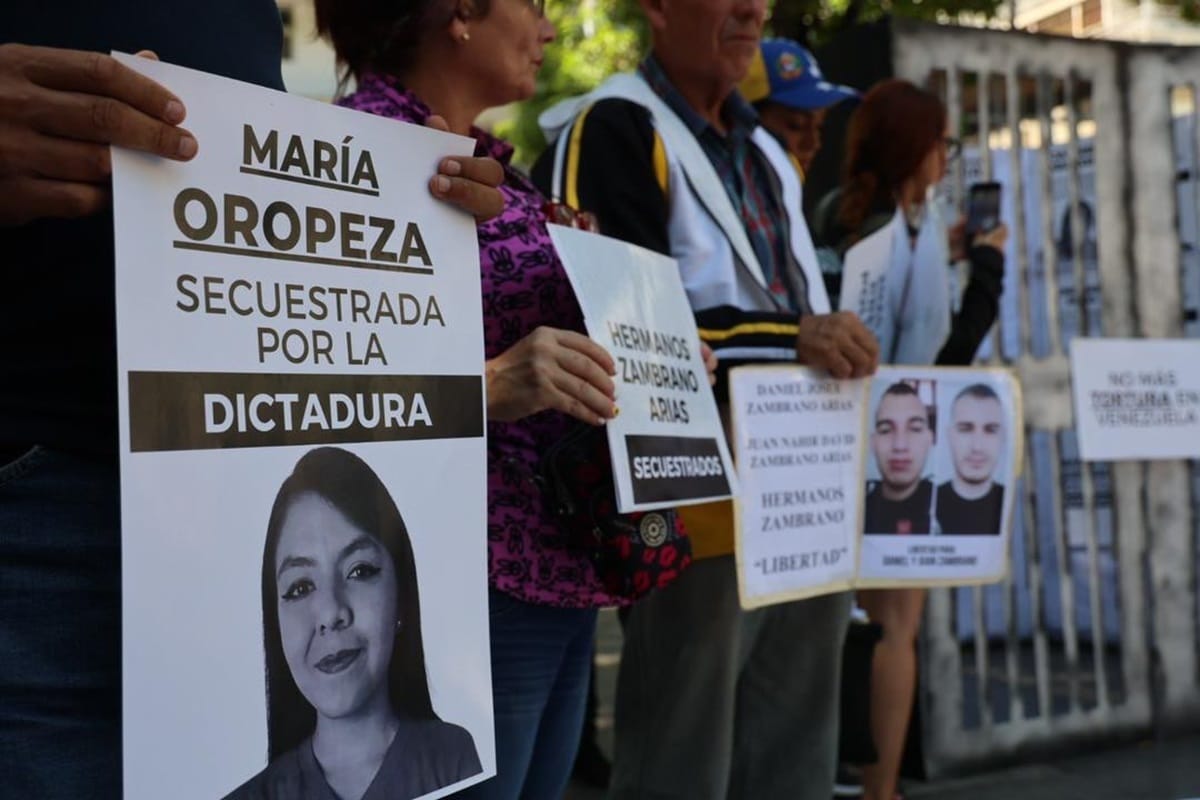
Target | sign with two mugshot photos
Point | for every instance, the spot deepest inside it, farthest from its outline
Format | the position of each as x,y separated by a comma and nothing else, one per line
943,454
303,464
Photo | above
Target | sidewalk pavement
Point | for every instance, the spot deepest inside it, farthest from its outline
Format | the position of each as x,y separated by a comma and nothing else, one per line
1168,770
1147,771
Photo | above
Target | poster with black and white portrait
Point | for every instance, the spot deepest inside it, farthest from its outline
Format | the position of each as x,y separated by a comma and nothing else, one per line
943,455
302,459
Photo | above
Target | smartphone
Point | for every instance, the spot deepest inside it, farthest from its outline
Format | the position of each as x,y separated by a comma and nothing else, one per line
983,208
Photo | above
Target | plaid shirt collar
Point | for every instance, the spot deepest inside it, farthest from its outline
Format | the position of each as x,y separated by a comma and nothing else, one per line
739,115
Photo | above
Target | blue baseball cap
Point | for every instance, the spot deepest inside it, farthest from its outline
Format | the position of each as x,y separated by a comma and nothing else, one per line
783,72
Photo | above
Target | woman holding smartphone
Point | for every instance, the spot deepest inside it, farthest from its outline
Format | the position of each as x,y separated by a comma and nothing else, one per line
883,223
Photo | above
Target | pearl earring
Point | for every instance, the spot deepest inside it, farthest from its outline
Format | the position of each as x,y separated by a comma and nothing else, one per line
466,37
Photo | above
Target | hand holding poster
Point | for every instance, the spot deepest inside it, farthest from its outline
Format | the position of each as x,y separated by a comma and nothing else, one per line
668,445
876,472
301,356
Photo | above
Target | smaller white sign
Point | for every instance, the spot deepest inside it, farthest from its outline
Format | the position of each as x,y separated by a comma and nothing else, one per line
905,479
1136,399
798,515
668,445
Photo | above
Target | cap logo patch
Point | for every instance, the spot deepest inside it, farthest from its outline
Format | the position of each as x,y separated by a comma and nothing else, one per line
790,67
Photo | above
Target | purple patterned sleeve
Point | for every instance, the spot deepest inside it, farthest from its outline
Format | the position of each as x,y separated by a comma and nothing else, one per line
524,287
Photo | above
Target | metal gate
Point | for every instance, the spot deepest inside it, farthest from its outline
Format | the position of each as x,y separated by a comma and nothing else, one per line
1095,634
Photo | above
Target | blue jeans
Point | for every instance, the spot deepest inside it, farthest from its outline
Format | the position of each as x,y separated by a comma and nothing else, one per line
541,665
60,628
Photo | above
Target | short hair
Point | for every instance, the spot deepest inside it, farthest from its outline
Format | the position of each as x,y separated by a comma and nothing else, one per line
980,391
344,481
383,35
906,389
900,389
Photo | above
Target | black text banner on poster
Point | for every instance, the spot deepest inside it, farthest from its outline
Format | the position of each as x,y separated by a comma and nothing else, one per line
667,468
210,410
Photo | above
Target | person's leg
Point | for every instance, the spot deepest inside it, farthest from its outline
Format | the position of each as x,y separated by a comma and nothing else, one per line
562,721
675,688
592,767
786,729
529,644
60,628
893,682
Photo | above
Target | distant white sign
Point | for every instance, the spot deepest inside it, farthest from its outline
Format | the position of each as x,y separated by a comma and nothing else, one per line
1136,399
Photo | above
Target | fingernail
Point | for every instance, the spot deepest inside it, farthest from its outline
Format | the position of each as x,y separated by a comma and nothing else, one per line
441,184
616,411
451,167
174,112
187,147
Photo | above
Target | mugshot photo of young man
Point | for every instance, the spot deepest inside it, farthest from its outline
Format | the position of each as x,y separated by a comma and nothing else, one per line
901,439
972,501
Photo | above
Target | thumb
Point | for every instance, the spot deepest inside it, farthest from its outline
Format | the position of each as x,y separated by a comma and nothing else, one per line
438,123
150,54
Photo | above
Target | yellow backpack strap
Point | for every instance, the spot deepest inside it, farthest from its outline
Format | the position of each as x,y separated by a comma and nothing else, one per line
568,161
571,171
662,172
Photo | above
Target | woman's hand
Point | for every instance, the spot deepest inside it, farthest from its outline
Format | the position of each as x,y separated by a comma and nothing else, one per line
996,238
469,183
552,369
710,362
957,234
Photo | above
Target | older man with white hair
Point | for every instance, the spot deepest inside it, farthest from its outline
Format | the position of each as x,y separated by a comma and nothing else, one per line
713,702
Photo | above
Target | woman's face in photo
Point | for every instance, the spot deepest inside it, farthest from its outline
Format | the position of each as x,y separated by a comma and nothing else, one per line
337,608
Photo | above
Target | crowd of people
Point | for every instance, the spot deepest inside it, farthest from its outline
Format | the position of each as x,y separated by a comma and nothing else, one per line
712,701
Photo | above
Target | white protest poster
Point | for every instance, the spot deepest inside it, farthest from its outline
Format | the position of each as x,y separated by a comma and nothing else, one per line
1136,399
797,439
943,457
302,458
668,445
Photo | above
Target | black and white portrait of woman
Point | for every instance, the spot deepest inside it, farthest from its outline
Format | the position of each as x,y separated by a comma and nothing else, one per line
349,714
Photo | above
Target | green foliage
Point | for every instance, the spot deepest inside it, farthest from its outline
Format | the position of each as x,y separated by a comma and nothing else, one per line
596,38
814,20
1188,9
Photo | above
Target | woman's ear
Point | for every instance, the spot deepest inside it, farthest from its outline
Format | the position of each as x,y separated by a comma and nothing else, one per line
458,29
